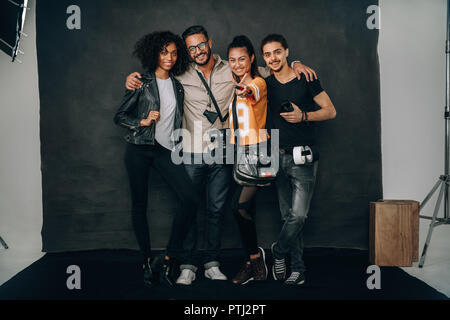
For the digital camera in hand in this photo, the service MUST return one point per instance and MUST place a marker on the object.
(286, 106)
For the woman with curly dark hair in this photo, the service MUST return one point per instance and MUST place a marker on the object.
(152, 113)
(149, 47)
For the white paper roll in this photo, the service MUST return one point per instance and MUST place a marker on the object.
(297, 155)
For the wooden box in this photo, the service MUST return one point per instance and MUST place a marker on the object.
(394, 233)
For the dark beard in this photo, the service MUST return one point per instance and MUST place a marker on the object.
(279, 69)
(207, 60)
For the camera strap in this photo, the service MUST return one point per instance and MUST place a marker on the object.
(235, 122)
(222, 119)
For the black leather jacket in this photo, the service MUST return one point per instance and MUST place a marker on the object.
(137, 104)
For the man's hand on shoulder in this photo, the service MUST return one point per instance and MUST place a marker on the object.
(132, 83)
(300, 68)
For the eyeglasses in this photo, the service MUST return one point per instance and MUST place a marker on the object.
(201, 46)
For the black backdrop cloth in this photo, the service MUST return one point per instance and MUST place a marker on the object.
(86, 198)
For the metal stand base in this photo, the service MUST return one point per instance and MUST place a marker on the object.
(444, 183)
(3, 243)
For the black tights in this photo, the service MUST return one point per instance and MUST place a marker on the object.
(243, 206)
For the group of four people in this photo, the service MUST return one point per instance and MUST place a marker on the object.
(184, 83)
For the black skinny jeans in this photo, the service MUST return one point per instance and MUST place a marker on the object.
(139, 161)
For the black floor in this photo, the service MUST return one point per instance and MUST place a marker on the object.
(333, 274)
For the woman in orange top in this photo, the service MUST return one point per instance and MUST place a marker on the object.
(251, 110)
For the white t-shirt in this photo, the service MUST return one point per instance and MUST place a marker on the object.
(168, 104)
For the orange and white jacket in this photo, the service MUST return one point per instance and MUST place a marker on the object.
(251, 114)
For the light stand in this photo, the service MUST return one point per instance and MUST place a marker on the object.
(444, 180)
(11, 26)
(3, 243)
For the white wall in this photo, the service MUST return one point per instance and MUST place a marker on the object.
(20, 162)
(412, 68)
(412, 63)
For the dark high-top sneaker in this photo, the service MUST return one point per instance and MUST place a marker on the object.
(244, 275)
(259, 266)
(168, 271)
(278, 266)
(148, 273)
(296, 278)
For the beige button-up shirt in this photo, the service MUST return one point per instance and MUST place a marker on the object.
(197, 100)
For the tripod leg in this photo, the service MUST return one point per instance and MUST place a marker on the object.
(430, 230)
(3, 243)
(446, 203)
(430, 194)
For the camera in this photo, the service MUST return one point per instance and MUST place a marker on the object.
(286, 106)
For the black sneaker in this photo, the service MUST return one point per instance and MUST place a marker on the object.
(278, 266)
(167, 276)
(296, 278)
(259, 266)
(148, 273)
(244, 275)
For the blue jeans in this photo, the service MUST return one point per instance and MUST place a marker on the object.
(218, 179)
(295, 186)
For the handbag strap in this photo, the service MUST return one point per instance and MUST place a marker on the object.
(235, 121)
(222, 119)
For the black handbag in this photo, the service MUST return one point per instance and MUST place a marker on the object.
(252, 167)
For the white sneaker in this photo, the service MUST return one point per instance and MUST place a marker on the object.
(214, 273)
(186, 277)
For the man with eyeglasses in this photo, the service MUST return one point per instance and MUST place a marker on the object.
(198, 106)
